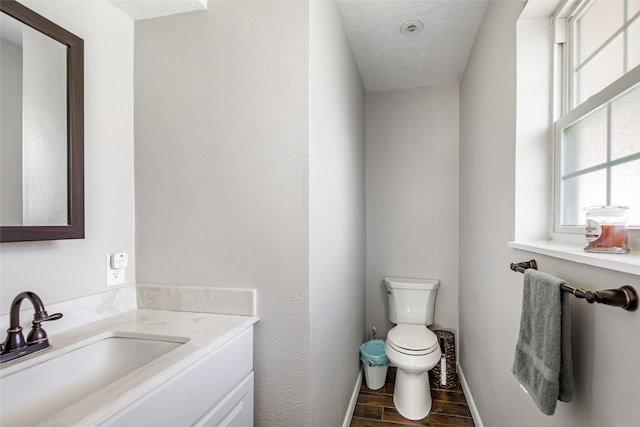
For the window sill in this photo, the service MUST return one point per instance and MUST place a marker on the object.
(626, 263)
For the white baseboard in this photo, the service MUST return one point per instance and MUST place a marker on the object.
(352, 402)
(467, 394)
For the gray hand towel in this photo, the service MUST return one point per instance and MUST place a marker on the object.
(543, 362)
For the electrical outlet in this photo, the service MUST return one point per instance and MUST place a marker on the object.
(114, 276)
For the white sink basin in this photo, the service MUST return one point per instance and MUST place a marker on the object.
(29, 395)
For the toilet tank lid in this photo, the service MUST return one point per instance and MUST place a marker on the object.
(408, 283)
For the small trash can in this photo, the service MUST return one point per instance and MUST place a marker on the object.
(444, 375)
(375, 363)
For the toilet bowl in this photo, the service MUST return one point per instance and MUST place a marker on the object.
(410, 346)
(413, 350)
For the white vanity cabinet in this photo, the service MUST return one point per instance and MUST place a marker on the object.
(215, 391)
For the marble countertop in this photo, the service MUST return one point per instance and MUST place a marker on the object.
(203, 333)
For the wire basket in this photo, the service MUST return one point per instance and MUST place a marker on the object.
(447, 342)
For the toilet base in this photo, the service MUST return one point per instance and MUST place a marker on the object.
(412, 395)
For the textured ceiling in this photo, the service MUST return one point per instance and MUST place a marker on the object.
(389, 60)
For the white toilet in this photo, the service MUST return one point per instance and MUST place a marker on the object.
(411, 347)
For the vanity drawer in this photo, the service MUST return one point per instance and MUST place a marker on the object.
(185, 399)
(235, 410)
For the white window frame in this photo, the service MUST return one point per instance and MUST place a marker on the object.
(536, 111)
(564, 116)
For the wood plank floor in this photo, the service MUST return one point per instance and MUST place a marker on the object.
(375, 408)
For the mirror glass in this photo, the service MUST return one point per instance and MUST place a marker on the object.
(33, 127)
(41, 128)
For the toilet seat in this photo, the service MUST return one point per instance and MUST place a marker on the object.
(413, 340)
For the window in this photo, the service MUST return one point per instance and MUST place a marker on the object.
(597, 129)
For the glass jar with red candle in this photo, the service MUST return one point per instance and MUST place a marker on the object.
(606, 229)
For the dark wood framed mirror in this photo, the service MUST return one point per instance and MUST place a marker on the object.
(70, 223)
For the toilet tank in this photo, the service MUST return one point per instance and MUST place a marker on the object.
(411, 301)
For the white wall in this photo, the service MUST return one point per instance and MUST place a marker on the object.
(64, 269)
(222, 164)
(605, 339)
(533, 135)
(412, 197)
(336, 216)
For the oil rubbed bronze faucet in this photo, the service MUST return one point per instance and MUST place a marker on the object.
(15, 345)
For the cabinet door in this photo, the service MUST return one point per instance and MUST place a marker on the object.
(236, 410)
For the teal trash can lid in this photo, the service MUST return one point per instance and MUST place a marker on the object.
(373, 352)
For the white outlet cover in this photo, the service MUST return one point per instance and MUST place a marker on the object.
(113, 276)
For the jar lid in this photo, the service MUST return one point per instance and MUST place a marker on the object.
(606, 210)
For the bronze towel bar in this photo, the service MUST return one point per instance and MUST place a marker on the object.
(625, 297)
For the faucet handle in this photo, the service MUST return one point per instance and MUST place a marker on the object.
(54, 316)
(43, 316)
(37, 334)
